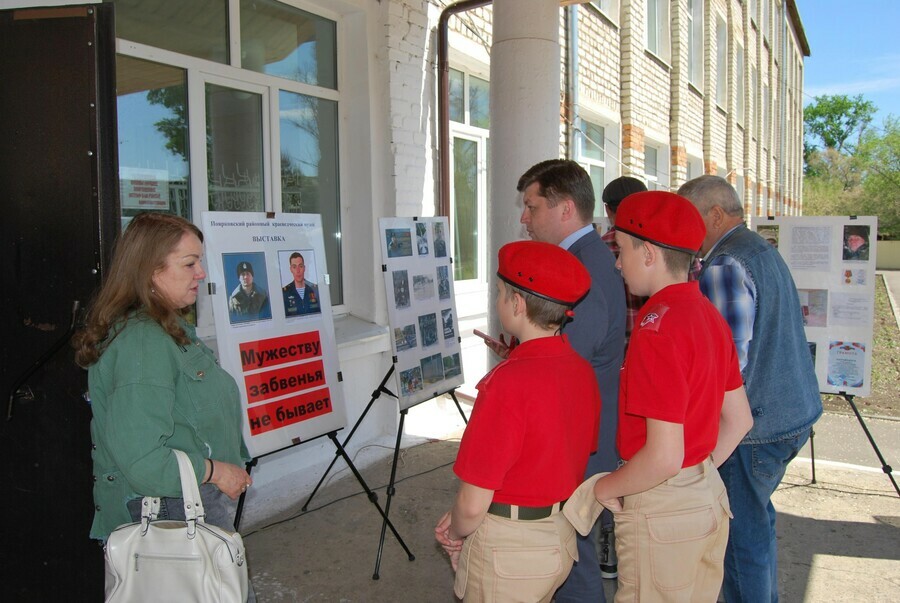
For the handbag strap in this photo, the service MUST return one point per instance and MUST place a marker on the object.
(149, 511)
(193, 505)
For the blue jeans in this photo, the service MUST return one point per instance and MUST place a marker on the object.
(751, 474)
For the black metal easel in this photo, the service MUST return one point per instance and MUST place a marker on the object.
(884, 466)
(372, 496)
(391, 490)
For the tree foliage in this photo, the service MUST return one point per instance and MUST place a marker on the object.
(833, 120)
(852, 168)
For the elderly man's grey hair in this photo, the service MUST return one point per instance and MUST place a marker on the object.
(705, 192)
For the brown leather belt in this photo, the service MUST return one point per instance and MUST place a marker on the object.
(524, 513)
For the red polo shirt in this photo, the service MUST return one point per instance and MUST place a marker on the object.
(534, 424)
(680, 362)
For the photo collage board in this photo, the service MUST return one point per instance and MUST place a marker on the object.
(832, 260)
(418, 280)
(274, 328)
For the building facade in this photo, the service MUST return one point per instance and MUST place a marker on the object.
(331, 107)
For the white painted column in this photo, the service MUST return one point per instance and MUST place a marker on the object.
(525, 89)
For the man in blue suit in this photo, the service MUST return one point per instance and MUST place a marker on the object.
(300, 295)
(559, 209)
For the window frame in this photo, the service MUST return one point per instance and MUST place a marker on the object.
(722, 67)
(661, 35)
(201, 71)
(696, 35)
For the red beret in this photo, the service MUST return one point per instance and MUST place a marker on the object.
(662, 218)
(546, 270)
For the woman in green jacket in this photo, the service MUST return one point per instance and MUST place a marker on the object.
(154, 386)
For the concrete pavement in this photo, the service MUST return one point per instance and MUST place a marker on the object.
(839, 539)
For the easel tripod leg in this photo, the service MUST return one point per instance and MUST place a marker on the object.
(884, 466)
(373, 498)
(390, 493)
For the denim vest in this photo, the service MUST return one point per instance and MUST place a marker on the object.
(780, 377)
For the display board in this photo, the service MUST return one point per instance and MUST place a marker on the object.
(418, 279)
(274, 327)
(833, 265)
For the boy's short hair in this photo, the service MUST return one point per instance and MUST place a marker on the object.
(677, 262)
(540, 311)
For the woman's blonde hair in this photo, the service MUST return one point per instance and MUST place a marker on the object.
(139, 253)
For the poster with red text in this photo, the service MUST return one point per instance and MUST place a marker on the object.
(274, 328)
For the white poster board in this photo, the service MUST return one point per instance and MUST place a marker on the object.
(418, 279)
(832, 260)
(277, 344)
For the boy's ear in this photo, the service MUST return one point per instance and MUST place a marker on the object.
(651, 252)
(518, 304)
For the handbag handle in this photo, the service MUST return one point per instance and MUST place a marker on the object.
(193, 505)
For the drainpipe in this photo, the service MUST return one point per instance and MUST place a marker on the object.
(572, 79)
(443, 208)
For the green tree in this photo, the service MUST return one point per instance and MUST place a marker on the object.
(832, 121)
(881, 183)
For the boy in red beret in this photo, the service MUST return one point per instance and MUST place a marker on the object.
(682, 411)
(526, 446)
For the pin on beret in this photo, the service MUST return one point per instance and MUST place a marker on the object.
(244, 267)
(545, 270)
(662, 218)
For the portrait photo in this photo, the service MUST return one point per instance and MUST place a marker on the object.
(399, 242)
(245, 283)
(300, 287)
(856, 243)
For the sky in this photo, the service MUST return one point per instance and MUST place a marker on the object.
(853, 50)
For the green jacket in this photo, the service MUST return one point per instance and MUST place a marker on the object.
(150, 395)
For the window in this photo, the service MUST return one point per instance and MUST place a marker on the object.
(154, 169)
(767, 26)
(754, 11)
(591, 153)
(721, 63)
(610, 8)
(469, 133)
(656, 171)
(695, 42)
(754, 87)
(470, 99)
(198, 28)
(235, 141)
(764, 127)
(739, 80)
(694, 167)
(658, 28)
(287, 42)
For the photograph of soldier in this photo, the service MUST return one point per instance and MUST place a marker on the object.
(422, 238)
(447, 319)
(856, 243)
(769, 233)
(401, 289)
(248, 300)
(443, 276)
(399, 242)
(428, 329)
(440, 245)
(301, 296)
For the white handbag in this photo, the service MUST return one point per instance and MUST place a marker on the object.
(167, 560)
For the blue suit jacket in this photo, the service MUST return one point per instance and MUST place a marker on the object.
(598, 335)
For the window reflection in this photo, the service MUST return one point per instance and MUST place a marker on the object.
(457, 100)
(197, 27)
(465, 209)
(234, 149)
(479, 102)
(153, 138)
(287, 42)
(309, 169)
